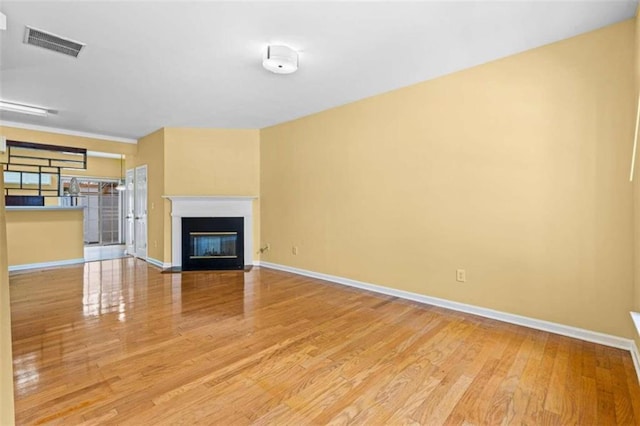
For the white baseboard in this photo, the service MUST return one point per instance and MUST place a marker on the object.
(42, 265)
(159, 264)
(551, 327)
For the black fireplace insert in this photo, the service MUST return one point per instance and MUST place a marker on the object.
(212, 243)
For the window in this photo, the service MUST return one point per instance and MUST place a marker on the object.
(27, 178)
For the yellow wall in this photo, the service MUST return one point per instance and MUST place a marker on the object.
(93, 144)
(6, 363)
(99, 167)
(44, 236)
(212, 162)
(151, 153)
(515, 170)
(636, 184)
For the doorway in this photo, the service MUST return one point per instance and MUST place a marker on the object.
(103, 222)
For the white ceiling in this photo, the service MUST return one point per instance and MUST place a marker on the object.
(151, 64)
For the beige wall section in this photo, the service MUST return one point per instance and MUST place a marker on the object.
(93, 144)
(515, 170)
(151, 151)
(636, 183)
(212, 162)
(98, 167)
(6, 357)
(636, 179)
(44, 236)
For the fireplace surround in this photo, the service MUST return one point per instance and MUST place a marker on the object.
(210, 207)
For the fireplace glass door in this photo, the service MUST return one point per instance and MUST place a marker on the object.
(213, 245)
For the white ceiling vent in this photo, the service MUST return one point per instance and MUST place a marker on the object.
(53, 42)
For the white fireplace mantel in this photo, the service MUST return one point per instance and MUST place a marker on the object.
(210, 206)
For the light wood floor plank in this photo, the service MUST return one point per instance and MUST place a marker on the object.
(118, 342)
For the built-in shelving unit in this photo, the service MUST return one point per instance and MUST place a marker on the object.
(34, 170)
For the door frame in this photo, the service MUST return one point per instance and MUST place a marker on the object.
(129, 207)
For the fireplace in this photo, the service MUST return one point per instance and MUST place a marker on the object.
(187, 206)
(212, 243)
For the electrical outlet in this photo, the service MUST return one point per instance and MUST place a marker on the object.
(461, 275)
(268, 246)
(294, 250)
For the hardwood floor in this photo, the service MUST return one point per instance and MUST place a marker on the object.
(117, 342)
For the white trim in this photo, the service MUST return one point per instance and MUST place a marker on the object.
(42, 265)
(91, 178)
(66, 132)
(156, 262)
(551, 327)
(635, 317)
(635, 356)
(101, 154)
(205, 198)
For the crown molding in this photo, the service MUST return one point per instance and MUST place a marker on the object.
(66, 132)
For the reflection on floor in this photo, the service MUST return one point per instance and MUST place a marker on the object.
(119, 343)
(92, 253)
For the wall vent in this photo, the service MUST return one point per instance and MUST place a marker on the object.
(53, 42)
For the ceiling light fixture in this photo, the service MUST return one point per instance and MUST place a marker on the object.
(23, 109)
(280, 59)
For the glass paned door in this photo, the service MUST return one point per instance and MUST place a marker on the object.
(130, 213)
(103, 213)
